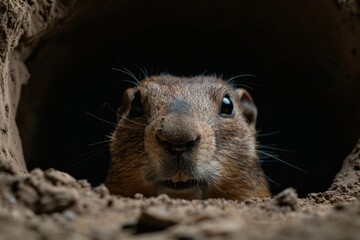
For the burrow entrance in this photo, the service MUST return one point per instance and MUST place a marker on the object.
(304, 89)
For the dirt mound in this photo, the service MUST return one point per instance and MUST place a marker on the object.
(53, 205)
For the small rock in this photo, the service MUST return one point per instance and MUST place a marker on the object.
(69, 215)
(288, 197)
(37, 172)
(328, 195)
(155, 219)
(102, 190)
(84, 184)
(163, 197)
(139, 196)
(12, 200)
(59, 178)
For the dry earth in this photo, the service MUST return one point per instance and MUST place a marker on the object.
(53, 205)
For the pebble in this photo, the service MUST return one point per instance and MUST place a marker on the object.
(69, 215)
(139, 196)
(288, 197)
(156, 218)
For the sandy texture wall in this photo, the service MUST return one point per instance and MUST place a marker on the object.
(13, 75)
(22, 23)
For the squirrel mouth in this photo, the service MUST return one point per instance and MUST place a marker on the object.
(179, 182)
(179, 185)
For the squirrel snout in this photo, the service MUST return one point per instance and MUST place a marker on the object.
(176, 135)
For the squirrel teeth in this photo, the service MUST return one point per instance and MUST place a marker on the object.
(179, 177)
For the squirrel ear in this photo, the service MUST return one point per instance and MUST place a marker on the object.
(125, 107)
(247, 106)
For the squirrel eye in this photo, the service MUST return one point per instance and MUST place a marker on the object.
(136, 109)
(227, 107)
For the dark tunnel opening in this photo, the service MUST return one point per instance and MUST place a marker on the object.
(68, 108)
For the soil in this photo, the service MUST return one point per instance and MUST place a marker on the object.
(53, 205)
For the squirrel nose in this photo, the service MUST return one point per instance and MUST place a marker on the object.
(177, 133)
(177, 147)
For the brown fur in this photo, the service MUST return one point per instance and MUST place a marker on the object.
(180, 110)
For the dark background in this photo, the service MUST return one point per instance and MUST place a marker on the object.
(307, 99)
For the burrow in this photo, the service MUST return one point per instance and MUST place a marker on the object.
(303, 56)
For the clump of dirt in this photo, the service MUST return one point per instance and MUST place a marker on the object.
(346, 185)
(53, 205)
